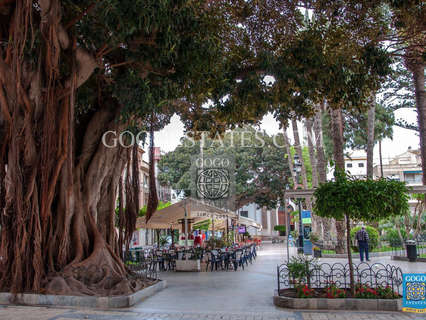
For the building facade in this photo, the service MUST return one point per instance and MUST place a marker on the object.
(356, 164)
(405, 167)
(266, 219)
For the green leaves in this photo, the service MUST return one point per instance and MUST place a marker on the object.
(363, 200)
(261, 171)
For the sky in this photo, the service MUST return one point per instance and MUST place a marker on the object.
(169, 137)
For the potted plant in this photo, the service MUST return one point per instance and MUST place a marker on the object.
(314, 238)
(281, 229)
(317, 252)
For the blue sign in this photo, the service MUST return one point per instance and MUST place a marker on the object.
(306, 217)
(306, 214)
(414, 292)
(307, 247)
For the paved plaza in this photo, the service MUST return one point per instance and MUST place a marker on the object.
(216, 295)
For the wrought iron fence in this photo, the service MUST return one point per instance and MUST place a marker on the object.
(140, 265)
(325, 274)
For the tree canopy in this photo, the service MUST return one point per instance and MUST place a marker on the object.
(261, 174)
(355, 130)
(361, 200)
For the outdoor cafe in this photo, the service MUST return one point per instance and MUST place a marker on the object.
(214, 248)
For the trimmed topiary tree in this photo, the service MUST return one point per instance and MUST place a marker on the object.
(373, 235)
(361, 200)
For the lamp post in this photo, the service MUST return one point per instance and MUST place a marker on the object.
(297, 169)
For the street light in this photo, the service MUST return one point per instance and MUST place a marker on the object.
(297, 169)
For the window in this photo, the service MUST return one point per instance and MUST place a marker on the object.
(244, 213)
(413, 177)
(349, 165)
(361, 165)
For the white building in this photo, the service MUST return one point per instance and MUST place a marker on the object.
(405, 167)
(265, 219)
(355, 165)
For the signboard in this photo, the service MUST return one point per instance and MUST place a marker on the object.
(211, 215)
(414, 292)
(306, 217)
(307, 247)
(242, 229)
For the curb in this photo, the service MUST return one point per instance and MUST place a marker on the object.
(399, 258)
(338, 304)
(82, 301)
(356, 255)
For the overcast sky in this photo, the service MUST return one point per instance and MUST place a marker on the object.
(168, 138)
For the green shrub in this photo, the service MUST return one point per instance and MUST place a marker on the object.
(373, 235)
(301, 268)
(391, 235)
(281, 229)
(314, 237)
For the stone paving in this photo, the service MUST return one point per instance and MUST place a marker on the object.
(48, 313)
(219, 295)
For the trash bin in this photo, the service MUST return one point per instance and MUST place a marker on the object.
(411, 250)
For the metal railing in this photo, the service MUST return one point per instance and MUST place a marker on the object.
(399, 250)
(322, 275)
(142, 265)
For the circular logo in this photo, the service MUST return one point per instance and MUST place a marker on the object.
(213, 183)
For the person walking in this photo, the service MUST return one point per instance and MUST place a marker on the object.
(362, 238)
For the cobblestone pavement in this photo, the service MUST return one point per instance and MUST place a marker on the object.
(47, 313)
(218, 295)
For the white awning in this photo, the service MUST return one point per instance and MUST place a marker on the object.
(249, 222)
(196, 210)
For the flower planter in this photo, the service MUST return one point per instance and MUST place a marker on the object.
(338, 304)
(317, 253)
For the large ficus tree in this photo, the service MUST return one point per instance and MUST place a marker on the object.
(69, 71)
(260, 173)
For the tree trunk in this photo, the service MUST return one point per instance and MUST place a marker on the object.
(293, 176)
(370, 136)
(316, 221)
(381, 158)
(398, 229)
(321, 168)
(348, 248)
(418, 70)
(289, 157)
(298, 148)
(312, 156)
(57, 196)
(339, 161)
(319, 143)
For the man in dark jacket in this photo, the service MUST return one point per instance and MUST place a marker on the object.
(362, 238)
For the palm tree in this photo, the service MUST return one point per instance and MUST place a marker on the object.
(316, 221)
(321, 166)
(339, 162)
(298, 148)
(288, 151)
(370, 136)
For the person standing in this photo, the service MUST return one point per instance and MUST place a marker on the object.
(362, 238)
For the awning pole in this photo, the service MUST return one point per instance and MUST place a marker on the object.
(227, 231)
(213, 226)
